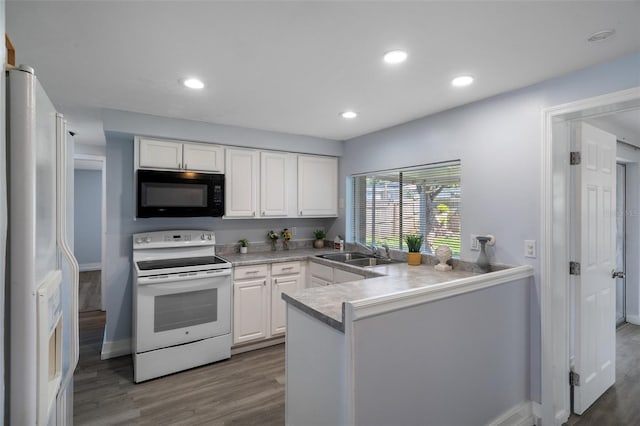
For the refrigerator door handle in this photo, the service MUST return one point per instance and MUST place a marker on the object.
(61, 182)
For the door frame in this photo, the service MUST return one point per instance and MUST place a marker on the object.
(555, 246)
(101, 162)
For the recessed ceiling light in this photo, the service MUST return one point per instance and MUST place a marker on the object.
(600, 36)
(462, 80)
(395, 56)
(193, 83)
(349, 114)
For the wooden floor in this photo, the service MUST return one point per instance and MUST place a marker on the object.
(247, 389)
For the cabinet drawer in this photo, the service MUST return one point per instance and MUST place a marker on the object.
(254, 271)
(321, 271)
(285, 268)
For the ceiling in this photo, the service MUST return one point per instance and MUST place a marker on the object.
(294, 66)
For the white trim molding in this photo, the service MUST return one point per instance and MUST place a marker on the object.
(633, 319)
(519, 415)
(116, 348)
(555, 243)
(86, 267)
(407, 298)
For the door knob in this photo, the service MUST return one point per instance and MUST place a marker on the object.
(617, 274)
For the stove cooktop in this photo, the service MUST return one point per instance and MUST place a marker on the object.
(151, 265)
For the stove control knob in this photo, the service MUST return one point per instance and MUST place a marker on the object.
(208, 236)
(203, 237)
(138, 240)
(147, 240)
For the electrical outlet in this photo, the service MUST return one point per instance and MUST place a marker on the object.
(473, 244)
(530, 248)
(293, 231)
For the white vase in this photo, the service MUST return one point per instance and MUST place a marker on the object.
(243, 250)
(318, 244)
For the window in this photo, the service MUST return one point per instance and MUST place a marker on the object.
(423, 200)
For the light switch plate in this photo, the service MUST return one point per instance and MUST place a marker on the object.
(530, 248)
(473, 243)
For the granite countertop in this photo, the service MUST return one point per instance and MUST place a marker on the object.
(325, 303)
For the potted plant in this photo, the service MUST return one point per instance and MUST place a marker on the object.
(414, 242)
(320, 235)
(244, 244)
(273, 236)
(286, 236)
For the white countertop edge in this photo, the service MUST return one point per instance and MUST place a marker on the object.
(377, 305)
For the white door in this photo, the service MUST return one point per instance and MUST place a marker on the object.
(594, 245)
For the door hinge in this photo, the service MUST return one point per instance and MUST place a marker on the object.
(575, 158)
(574, 268)
(574, 378)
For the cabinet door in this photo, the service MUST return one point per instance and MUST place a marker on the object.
(317, 186)
(241, 179)
(273, 184)
(201, 156)
(160, 154)
(340, 276)
(250, 310)
(279, 285)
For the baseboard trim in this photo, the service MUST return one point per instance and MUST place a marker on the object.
(235, 350)
(115, 348)
(633, 319)
(520, 415)
(86, 267)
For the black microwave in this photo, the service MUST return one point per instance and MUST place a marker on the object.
(179, 194)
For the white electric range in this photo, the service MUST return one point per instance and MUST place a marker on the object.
(181, 302)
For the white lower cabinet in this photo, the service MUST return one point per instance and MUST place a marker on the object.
(340, 276)
(250, 310)
(321, 275)
(259, 311)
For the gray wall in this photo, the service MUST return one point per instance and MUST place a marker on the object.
(498, 141)
(88, 216)
(120, 207)
(463, 360)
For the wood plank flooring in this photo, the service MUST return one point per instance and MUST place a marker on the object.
(620, 405)
(247, 389)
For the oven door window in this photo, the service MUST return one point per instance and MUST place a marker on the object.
(181, 311)
(174, 311)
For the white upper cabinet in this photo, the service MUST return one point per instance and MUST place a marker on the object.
(200, 156)
(176, 155)
(241, 182)
(274, 181)
(160, 154)
(317, 186)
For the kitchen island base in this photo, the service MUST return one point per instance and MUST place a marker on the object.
(463, 359)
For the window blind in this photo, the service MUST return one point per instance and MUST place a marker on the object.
(420, 200)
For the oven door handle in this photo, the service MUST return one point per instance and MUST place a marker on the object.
(165, 279)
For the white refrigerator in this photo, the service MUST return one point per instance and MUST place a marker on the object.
(42, 273)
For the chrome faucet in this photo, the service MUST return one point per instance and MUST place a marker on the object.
(373, 249)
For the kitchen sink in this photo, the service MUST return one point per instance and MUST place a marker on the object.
(370, 261)
(345, 256)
